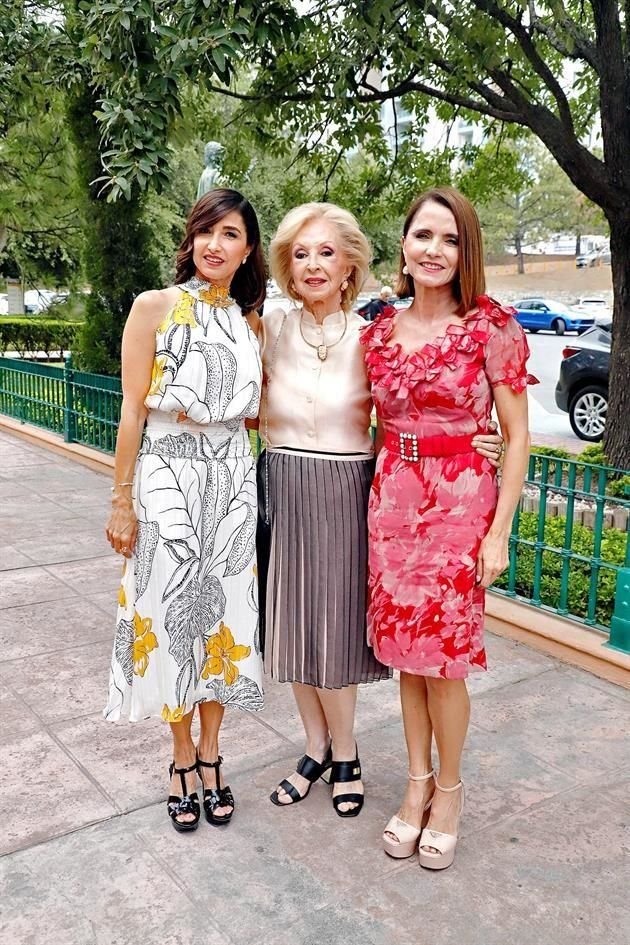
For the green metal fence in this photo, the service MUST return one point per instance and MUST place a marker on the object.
(569, 548)
(84, 408)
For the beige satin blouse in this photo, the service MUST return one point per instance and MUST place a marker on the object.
(315, 406)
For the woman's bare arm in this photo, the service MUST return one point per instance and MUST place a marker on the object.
(512, 413)
(138, 353)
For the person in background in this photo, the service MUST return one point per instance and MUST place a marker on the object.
(378, 306)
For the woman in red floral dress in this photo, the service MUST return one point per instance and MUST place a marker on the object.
(438, 523)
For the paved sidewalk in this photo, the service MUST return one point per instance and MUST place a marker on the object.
(91, 859)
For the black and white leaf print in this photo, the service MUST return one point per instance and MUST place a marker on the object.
(222, 320)
(174, 498)
(182, 446)
(193, 614)
(177, 342)
(146, 543)
(214, 504)
(185, 682)
(185, 399)
(245, 402)
(243, 547)
(221, 365)
(227, 530)
(178, 550)
(179, 576)
(123, 648)
(244, 693)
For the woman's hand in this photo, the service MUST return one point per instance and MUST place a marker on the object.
(489, 445)
(492, 560)
(122, 527)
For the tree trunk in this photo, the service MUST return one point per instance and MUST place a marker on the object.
(119, 258)
(518, 246)
(617, 434)
(578, 244)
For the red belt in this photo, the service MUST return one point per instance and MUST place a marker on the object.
(411, 447)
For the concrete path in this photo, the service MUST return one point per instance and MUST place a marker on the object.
(91, 859)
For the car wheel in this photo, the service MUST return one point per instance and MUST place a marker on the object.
(534, 331)
(559, 326)
(587, 413)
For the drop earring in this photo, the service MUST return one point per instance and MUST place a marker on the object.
(405, 270)
(244, 261)
(344, 285)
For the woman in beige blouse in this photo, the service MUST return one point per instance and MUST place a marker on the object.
(316, 472)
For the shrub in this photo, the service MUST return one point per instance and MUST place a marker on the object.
(29, 335)
(593, 453)
(553, 451)
(579, 577)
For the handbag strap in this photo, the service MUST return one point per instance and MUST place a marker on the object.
(272, 362)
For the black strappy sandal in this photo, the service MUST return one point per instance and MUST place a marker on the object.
(187, 804)
(347, 771)
(311, 770)
(216, 796)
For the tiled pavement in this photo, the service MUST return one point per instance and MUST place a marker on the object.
(89, 855)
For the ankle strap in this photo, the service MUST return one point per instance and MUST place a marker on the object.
(211, 764)
(421, 777)
(449, 790)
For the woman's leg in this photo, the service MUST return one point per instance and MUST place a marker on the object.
(418, 735)
(316, 731)
(210, 718)
(449, 709)
(184, 756)
(339, 707)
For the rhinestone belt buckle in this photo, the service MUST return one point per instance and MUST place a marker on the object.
(408, 443)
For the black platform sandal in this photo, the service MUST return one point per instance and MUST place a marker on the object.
(311, 770)
(187, 804)
(216, 796)
(347, 771)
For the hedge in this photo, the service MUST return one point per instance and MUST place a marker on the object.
(28, 335)
(612, 551)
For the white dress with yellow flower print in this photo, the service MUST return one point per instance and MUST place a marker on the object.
(187, 625)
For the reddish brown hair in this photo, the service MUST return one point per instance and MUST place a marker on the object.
(470, 280)
(250, 280)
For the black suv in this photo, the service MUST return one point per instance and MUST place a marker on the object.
(582, 388)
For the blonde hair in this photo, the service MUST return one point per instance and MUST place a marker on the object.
(354, 245)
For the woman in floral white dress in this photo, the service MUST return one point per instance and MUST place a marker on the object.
(184, 501)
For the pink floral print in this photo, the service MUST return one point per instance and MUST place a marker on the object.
(426, 519)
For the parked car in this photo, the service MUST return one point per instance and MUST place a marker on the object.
(582, 388)
(594, 305)
(4, 305)
(600, 257)
(548, 315)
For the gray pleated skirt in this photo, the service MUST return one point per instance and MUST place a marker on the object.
(317, 579)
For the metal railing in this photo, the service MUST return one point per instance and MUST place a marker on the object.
(84, 408)
(569, 548)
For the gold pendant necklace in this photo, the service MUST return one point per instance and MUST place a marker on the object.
(322, 350)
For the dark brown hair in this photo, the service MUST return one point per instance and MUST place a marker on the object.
(470, 280)
(250, 279)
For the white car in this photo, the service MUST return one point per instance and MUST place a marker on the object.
(596, 306)
(38, 300)
(4, 305)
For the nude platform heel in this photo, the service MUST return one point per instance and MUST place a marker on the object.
(406, 835)
(445, 843)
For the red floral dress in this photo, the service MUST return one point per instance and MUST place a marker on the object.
(427, 518)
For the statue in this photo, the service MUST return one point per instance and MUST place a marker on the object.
(211, 174)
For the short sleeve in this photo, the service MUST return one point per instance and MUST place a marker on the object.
(507, 353)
